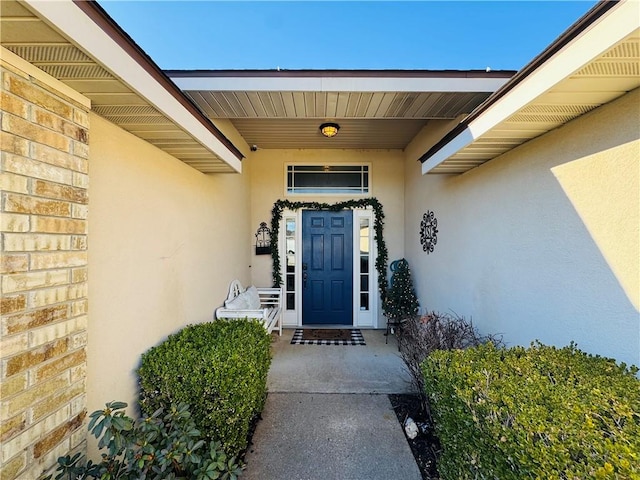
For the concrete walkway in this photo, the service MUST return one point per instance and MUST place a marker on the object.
(328, 416)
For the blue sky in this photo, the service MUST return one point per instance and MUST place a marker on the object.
(293, 35)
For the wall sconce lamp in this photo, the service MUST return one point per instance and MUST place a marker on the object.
(263, 240)
(329, 129)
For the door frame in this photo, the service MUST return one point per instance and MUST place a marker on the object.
(361, 318)
(326, 272)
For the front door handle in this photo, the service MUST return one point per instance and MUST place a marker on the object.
(304, 275)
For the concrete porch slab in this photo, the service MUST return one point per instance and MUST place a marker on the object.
(373, 368)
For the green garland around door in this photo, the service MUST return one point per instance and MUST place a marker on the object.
(378, 224)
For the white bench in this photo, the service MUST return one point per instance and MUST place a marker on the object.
(264, 304)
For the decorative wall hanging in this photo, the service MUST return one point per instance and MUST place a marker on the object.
(263, 240)
(429, 231)
(378, 224)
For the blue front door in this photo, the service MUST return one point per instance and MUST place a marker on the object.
(327, 267)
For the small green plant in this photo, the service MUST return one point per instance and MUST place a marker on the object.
(538, 412)
(165, 445)
(219, 369)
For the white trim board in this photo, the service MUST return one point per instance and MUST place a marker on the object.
(339, 84)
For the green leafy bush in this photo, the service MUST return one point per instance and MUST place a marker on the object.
(539, 413)
(165, 445)
(219, 369)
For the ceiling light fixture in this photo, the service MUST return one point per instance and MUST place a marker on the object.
(329, 129)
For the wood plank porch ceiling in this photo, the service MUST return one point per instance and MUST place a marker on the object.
(290, 118)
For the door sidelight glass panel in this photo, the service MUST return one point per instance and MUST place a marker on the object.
(365, 239)
(290, 245)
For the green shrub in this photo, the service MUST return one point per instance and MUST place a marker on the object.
(165, 445)
(539, 413)
(219, 369)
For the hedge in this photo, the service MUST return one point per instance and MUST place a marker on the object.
(219, 369)
(538, 413)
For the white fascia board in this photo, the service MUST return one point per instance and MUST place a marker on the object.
(614, 26)
(391, 84)
(621, 21)
(338, 84)
(463, 139)
(248, 84)
(79, 28)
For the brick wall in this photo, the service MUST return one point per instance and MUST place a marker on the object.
(43, 223)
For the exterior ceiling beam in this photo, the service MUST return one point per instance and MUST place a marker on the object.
(339, 84)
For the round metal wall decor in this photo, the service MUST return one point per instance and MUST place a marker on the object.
(429, 231)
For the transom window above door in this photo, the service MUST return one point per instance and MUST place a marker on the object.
(328, 179)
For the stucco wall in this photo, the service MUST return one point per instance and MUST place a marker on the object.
(268, 185)
(542, 242)
(165, 242)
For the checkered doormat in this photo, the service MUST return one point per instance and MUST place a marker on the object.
(356, 339)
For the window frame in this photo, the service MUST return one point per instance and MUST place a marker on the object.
(344, 193)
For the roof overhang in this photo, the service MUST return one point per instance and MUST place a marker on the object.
(594, 62)
(80, 45)
(376, 109)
